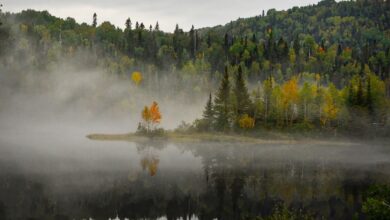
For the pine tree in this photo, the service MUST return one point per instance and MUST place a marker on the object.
(244, 104)
(1, 5)
(254, 39)
(359, 95)
(157, 27)
(129, 36)
(94, 20)
(351, 95)
(226, 42)
(128, 24)
(208, 114)
(208, 40)
(271, 46)
(296, 45)
(222, 105)
(369, 101)
(192, 42)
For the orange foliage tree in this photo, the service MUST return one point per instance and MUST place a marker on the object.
(151, 116)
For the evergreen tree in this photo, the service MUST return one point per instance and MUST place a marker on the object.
(296, 45)
(94, 20)
(1, 5)
(351, 95)
(226, 42)
(208, 40)
(222, 105)
(254, 39)
(369, 101)
(129, 37)
(192, 42)
(339, 50)
(359, 95)
(128, 24)
(270, 46)
(208, 114)
(243, 101)
(282, 49)
(157, 27)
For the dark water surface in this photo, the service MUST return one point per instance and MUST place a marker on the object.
(44, 175)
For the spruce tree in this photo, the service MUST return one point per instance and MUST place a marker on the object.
(208, 40)
(128, 24)
(192, 42)
(351, 95)
(296, 45)
(94, 20)
(208, 114)
(157, 27)
(222, 105)
(243, 101)
(369, 101)
(1, 5)
(359, 95)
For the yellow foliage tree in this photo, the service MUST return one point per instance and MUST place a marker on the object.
(246, 122)
(290, 97)
(136, 77)
(146, 117)
(330, 110)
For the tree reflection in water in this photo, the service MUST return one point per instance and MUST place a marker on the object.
(149, 160)
(231, 182)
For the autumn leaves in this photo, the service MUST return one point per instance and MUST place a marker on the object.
(151, 117)
(136, 77)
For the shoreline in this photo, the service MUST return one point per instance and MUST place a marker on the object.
(221, 138)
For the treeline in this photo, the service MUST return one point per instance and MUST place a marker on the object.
(336, 40)
(301, 102)
(325, 65)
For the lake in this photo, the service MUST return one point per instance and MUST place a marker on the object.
(47, 175)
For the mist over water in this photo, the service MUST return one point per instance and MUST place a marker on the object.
(50, 170)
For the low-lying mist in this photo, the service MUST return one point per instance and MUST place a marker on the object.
(86, 98)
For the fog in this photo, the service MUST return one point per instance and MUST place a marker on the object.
(47, 163)
(46, 114)
(89, 99)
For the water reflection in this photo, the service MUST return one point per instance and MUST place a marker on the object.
(149, 156)
(199, 181)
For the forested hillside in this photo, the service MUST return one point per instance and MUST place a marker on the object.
(307, 64)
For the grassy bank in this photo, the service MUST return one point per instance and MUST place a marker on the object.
(274, 138)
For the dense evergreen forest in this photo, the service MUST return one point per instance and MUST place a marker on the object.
(320, 66)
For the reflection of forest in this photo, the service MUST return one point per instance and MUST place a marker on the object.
(235, 183)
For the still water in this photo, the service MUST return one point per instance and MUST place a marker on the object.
(47, 176)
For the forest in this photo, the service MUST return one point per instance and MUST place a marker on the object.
(324, 66)
(283, 115)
